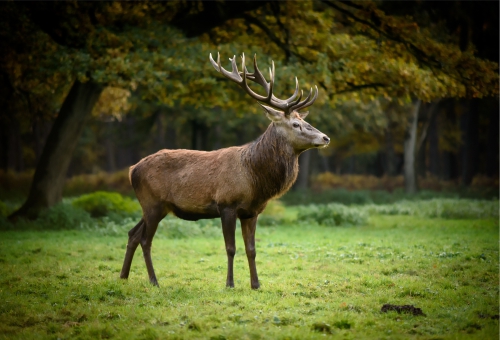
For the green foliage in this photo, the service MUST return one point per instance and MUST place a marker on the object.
(274, 214)
(360, 197)
(174, 228)
(332, 214)
(102, 203)
(440, 208)
(63, 216)
(102, 181)
(4, 210)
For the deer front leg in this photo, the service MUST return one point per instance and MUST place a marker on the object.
(151, 220)
(248, 227)
(228, 218)
(134, 238)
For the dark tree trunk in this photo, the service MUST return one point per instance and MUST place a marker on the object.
(449, 161)
(218, 137)
(390, 154)
(171, 137)
(434, 159)
(409, 149)
(199, 137)
(160, 122)
(421, 160)
(47, 186)
(110, 146)
(41, 130)
(470, 152)
(492, 142)
(302, 182)
(15, 159)
(325, 167)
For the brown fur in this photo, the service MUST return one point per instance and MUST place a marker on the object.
(190, 181)
(230, 183)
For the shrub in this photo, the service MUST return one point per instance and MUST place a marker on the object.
(274, 214)
(175, 228)
(302, 197)
(332, 214)
(63, 216)
(102, 203)
(115, 182)
(440, 208)
(4, 210)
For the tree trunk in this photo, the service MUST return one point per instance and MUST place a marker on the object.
(449, 159)
(492, 141)
(15, 159)
(199, 137)
(470, 128)
(390, 154)
(434, 159)
(409, 149)
(109, 145)
(48, 182)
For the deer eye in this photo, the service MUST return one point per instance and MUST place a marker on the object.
(295, 125)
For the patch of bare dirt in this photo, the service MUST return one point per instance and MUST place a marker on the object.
(409, 309)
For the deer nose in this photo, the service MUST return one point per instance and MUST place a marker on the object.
(326, 139)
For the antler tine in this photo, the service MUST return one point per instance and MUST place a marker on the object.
(271, 82)
(257, 76)
(291, 102)
(234, 75)
(241, 78)
(247, 88)
(215, 64)
(307, 102)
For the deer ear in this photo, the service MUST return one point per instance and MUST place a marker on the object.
(273, 114)
(303, 114)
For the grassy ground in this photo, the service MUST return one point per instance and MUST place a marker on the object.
(316, 282)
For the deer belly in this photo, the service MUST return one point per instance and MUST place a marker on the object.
(196, 213)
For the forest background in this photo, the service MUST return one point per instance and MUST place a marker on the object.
(406, 89)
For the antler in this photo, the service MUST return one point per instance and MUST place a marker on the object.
(287, 106)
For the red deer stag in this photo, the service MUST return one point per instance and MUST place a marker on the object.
(230, 183)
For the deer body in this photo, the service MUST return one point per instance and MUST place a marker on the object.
(197, 184)
(231, 183)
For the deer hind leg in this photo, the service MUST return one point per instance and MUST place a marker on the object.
(228, 218)
(134, 238)
(151, 220)
(248, 227)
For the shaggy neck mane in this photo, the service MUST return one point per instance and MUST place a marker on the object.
(272, 163)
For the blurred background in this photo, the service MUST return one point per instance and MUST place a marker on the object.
(408, 91)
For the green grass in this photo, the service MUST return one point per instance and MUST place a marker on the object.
(316, 282)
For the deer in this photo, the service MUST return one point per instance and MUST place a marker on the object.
(229, 183)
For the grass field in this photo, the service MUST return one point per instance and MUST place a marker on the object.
(316, 282)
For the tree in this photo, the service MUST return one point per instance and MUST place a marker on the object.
(353, 50)
(99, 57)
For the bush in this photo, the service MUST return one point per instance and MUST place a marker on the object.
(440, 208)
(343, 196)
(274, 214)
(63, 216)
(87, 183)
(102, 203)
(332, 214)
(4, 210)
(174, 228)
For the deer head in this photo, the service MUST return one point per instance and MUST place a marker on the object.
(284, 114)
